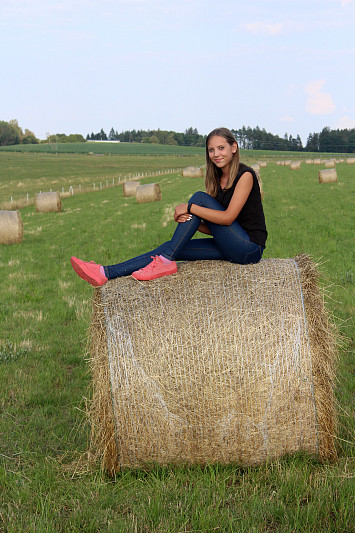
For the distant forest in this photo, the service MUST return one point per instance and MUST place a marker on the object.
(327, 140)
(341, 141)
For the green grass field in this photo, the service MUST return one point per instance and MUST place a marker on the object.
(104, 148)
(23, 174)
(46, 485)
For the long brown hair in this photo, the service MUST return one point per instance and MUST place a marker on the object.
(213, 173)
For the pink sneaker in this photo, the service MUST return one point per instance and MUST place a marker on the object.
(90, 272)
(156, 269)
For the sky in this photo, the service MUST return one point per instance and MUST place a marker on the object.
(76, 66)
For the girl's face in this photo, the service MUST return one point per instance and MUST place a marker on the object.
(221, 152)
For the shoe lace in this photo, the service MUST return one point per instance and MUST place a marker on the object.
(152, 264)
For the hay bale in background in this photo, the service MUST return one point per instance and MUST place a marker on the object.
(330, 163)
(317, 161)
(328, 175)
(130, 188)
(295, 165)
(193, 172)
(350, 160)
(148, 193)
(48, 201)
(245, 375)
(309, 161)
(262, 164)
(256, 168)
(11, 227)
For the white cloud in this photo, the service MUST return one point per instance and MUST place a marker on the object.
(318, 102)
(345, 123)
(262, 27)
(346, 2)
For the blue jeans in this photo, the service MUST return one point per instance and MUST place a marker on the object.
(228, 243)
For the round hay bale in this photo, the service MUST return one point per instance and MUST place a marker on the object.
(245, 375)
(350, 160)
(193, 172)
(317, 161)
(328, 175)
(330, 163)
(48, 201)
(295, 165)
(148, 193)
(262, 164)
(256, 168)
(130, 188)
(309, 161)
(11, 227)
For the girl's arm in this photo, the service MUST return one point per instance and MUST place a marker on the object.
(227, 217)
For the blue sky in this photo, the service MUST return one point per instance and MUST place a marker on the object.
(76, 66)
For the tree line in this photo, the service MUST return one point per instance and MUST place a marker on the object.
(190, 137)
(248, 138)
(342, 141)
(11, 133)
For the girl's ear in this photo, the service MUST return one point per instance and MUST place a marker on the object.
(234, 148)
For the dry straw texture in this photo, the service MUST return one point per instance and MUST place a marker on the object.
(48, 201)
(130, 188)
(218, 363)
(295, 165)
(193, 172)
(256, 168)
(148, 193)
(11, 227)
(350, 160)
(328, 175)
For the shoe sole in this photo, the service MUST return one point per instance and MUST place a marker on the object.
(82, 274)
(156, 276)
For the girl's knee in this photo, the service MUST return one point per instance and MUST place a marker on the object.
(199, 197)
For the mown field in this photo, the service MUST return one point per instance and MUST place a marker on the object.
(28, 169)
(46, 483)
(23, 174)
(104, 148)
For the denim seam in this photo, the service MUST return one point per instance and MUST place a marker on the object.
(181, 239)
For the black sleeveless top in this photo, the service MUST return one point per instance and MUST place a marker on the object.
(251, 217)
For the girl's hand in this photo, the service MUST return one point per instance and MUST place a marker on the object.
(180, 210)
(184, 218)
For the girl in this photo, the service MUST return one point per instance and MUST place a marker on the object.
(230, 211)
